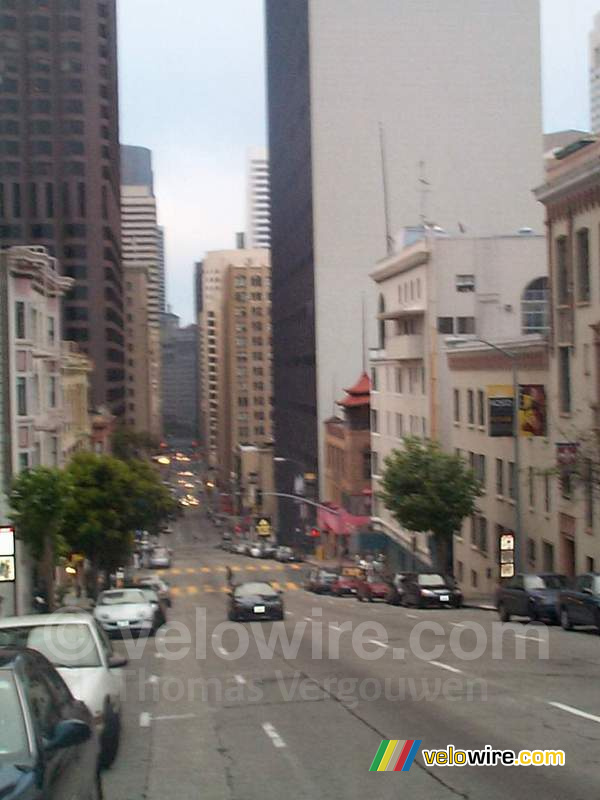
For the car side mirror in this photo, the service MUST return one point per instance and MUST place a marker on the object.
(69, 733)
(115, 661)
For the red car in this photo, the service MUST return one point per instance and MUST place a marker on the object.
(373, 587)
(348, 581)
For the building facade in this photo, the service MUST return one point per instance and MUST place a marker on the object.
(434, 289)
(326, 100)
(31, 290)
(258, 199)
(143, 264)
(236, 378)
(571, 196)
(179, 378)
(77, 429)
(59, 166)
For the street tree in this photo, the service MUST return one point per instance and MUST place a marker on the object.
(429, 490)
(128, 444)
(37, 500)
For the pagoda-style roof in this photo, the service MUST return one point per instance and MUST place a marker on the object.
(359, 394)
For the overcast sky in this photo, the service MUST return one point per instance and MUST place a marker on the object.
(192, 90)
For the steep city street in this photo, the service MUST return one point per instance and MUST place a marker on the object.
(216, 726)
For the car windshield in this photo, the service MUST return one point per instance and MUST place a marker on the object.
(14, 746)
(250, 589)
(432, 580)
(118, 598)
(64, 645)
(532, 582)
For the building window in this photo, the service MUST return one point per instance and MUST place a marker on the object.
(367, 464)
(445, 325)
(465, 283)
(381, 322)
(564, 378)
(531, 485)
(20, 319)
(374, 421)
(547, 495)
(470, 407)
(375, 462)
(456, 396)
(54, 451)
(531, 552)
(398, 375)
(499, 477)
(534, 307)
(51, 330)
(22, 397)
(399, 426)
(473, 579)
(480, 408)
(562, 272)
(23, 461)
(583, 265)
(483, 535)
(465, 325)
(52, 392)
(374, 379)
(511, 480)
(16, 200)
(480, 470)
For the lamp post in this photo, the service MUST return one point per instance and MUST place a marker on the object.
(513, 358)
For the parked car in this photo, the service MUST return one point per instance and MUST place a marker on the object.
(430, 589)
(160, 558)
(48, 747)
(320, 581)
(125, 611)
(284, 553)
(240, 547)
(348, 580)
(226, 541)
(580, 605)
(250, 601)
(372, 587)
(159, 606)
(160, 586)
(268, 549)
(533, 596)
(395, 595)
(83, 655)
(255, 550)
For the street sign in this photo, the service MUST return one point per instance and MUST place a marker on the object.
(263, 526)
(7, 540)
(7, 569)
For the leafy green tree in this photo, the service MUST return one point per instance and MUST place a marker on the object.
(37, 499)
(429, 490)
(128, 444)
(152, 502)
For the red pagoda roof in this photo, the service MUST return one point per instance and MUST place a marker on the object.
(359, 394)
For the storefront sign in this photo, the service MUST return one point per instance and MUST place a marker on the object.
(532, 410)
(501, 409)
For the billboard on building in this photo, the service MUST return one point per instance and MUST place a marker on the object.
(501, 409)
(532, 410)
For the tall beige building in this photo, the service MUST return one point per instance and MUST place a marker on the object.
(143, 268)
(235, 333)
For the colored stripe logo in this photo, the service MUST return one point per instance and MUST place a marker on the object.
(395, 755)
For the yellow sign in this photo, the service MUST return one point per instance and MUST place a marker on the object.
(263, 527)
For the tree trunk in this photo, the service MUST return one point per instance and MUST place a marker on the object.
(444, 553)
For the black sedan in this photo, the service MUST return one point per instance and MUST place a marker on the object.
(430, 590)
(48, 750)
(253, 601)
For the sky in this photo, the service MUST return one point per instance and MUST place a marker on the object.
(192, 89)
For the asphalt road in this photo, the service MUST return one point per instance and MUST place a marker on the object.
(295, 722)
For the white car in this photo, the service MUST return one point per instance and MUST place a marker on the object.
(256, 551)
(160, 586)
(83, 655)
(125, 611)
(160, 558)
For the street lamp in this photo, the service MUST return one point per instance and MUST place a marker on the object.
(513, 358)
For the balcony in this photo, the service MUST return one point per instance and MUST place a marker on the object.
(410, 346)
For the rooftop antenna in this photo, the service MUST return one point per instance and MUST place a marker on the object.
(424, 191)
(389, 242)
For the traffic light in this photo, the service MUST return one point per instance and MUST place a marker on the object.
(314, 533)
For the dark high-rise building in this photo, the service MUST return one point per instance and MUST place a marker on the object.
(59, 164)
(179, 378)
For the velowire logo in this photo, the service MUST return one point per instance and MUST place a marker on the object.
(395, 755)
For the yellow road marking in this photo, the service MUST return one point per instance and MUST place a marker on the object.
(219, 569)
(295, 566)
(192, 590)
(209, 588)
(236, 569)
(176, 572)
(251, 569)
(205, 569)
(175, 590)
(291, 585)
(265, 568)
(275, 585)
(224, 588)
(190, 570)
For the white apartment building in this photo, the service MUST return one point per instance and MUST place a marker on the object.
(433, 289)
(31, 289)
(594, 71)
(258, 199)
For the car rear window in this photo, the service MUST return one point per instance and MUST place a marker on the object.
(64, 645)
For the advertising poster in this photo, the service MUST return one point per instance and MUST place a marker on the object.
(501, 408)
(532, 410)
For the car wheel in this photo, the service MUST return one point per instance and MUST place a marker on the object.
(232, 616)
(111, 737)
(534, 614)
(504, 615)
(565, 620)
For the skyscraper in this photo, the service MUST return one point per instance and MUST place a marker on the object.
(59, 165)
(162, 289)
(142, 270)
(436, 80)
(258, 203)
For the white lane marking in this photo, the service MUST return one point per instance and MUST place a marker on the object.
(173, 716)
(457, 624)
(145, 719)
(413, 616)
(446, 666)
(222, 651)
(334, 627)
(308, 619)
(159, 655)
(273, 735)
(240, 679)
(289, 613)
(153, 679)
(576, 711)
(379, 644)
(529, 638)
